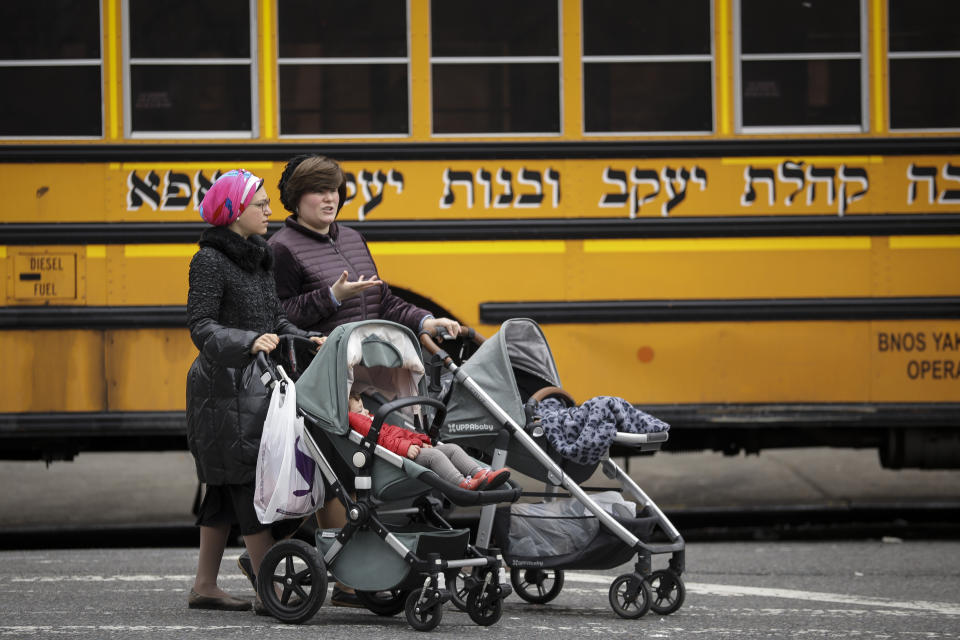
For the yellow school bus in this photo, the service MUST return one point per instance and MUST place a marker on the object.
(741, 215)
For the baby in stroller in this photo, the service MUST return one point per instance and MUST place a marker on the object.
(583, 433)
(449, 461)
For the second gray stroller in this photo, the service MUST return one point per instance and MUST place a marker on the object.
(486, 400)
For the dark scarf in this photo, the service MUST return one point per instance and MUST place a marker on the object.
(248, 254)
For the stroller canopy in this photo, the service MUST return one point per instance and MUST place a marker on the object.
(519, 344)
(360, 357)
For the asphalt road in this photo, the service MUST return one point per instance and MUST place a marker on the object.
(883, 585)
(862, 589)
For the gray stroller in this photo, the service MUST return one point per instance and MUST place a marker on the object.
(488, 397)
(396, 550)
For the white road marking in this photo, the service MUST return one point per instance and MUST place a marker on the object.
(121, 578)
(724, 590)
(945, 608)
(33, 629)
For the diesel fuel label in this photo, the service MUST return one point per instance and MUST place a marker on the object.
(45, 276)
(930, 354)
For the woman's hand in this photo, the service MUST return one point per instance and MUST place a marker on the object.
(344, 289)
(451, 326)
(318, 340)
(413, 452)
(266, 343)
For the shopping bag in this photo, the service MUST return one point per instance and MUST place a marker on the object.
(288, 483)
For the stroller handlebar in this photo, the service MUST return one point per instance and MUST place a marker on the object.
(431, 345)
(269, 376)
(387, 408)
(634, 439)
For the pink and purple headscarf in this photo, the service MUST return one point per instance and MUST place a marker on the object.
(226, 199)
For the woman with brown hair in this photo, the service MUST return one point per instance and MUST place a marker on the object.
(326, 277)
(325, 273)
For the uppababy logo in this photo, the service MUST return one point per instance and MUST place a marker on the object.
(526, 563)
(470, 427)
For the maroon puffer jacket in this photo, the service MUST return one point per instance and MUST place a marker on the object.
(307, 263)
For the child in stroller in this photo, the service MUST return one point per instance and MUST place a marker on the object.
(583, 433)
(449, 461)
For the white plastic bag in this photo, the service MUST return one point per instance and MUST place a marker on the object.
(289, 484)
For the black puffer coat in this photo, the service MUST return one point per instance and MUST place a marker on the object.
(232, 301)
(308, 263)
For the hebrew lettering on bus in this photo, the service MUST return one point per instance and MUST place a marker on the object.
(372, 186)
(177, 192)
(927, 177)
(140, 191)
(673, 182)
(799, 178)
(530, 192)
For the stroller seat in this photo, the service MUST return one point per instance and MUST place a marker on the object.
(382, 359)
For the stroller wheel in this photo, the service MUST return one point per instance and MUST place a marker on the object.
(459, 585)
(292, 581)
(388, 602)
(484, 606)
(630, 596)
(538, 586)
(667, 592)
(423, 614)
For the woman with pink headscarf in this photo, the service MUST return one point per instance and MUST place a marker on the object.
(233, 313)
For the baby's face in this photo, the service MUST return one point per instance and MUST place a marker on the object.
(355, 405)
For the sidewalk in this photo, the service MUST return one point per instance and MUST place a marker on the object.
(134, 489)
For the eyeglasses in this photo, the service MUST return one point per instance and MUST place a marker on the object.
(261, 205)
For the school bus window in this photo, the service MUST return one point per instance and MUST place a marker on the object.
(924, 60)
(190, 67)
(339, 75)
(801, 64)
(58, 41)
(495, 70)
(647, 66)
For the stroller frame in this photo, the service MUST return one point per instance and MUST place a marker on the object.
(414, 579)
(630, 594)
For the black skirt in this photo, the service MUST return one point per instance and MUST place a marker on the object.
(232, 504)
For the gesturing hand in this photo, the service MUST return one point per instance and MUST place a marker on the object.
(344, 289)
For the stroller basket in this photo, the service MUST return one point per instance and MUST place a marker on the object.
(559, 534)
(369, 564)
